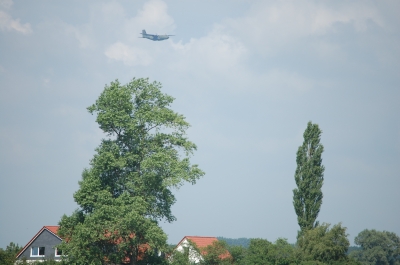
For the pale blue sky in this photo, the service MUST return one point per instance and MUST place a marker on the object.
(247, 76)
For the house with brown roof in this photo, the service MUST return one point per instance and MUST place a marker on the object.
(201, 242)
(43, 246)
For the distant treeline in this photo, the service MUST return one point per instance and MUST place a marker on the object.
(244, 242)
(353, 248)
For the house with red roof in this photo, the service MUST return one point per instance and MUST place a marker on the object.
(201, 242)
(42, 246)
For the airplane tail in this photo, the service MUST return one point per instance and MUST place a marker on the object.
(144, 32)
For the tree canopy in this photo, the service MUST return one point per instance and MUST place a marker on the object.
(7, 256)
(380, 248)
(324, 244)
(216, 254)
(257, 252)
(128, 187)
(309, 177)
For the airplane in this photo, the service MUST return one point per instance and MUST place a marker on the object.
(154, 37)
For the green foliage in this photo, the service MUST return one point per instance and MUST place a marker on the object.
(216, 254)
(309, 177)
(311, 262)
(238, 254)
(323, 244)
(262, 251)
(257, 253)
(115, 231)
(281, 252)
(378, 248)
(153, 258)
(353, 248)
(144, 159)
(7, 256)
(127, 188)
(182, 257)
(346, 261)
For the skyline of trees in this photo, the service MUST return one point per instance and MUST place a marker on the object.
(127, 190)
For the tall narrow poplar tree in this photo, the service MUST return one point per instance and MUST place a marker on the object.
(309, 177)
(127, 188)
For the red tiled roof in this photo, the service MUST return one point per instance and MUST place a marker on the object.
(201, 241)
(52, 229)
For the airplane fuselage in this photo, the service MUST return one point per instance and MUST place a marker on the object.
(154, 37)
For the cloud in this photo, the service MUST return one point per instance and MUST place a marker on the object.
(6, 4)
(7, 23)
(357, 14)
(83, 39)
(217, 52)
(154, 16)
(270, 26)
(128, 55)
(230, 51)
(224, 57)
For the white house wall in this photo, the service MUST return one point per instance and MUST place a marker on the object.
(194, 256)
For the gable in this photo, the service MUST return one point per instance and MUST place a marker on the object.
(201, 242)
(44, 238)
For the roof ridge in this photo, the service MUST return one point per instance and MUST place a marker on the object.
(202, 236)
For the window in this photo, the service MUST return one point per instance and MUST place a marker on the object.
(58, 252)
(37, 252)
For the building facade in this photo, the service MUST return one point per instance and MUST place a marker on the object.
(43, 246)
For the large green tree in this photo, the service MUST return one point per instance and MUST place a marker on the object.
(377, 248)
(238, 254)
(257, 252)
(261, 252)
(281, 252)
(309, 177)
(127, 189)
(324, 244)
